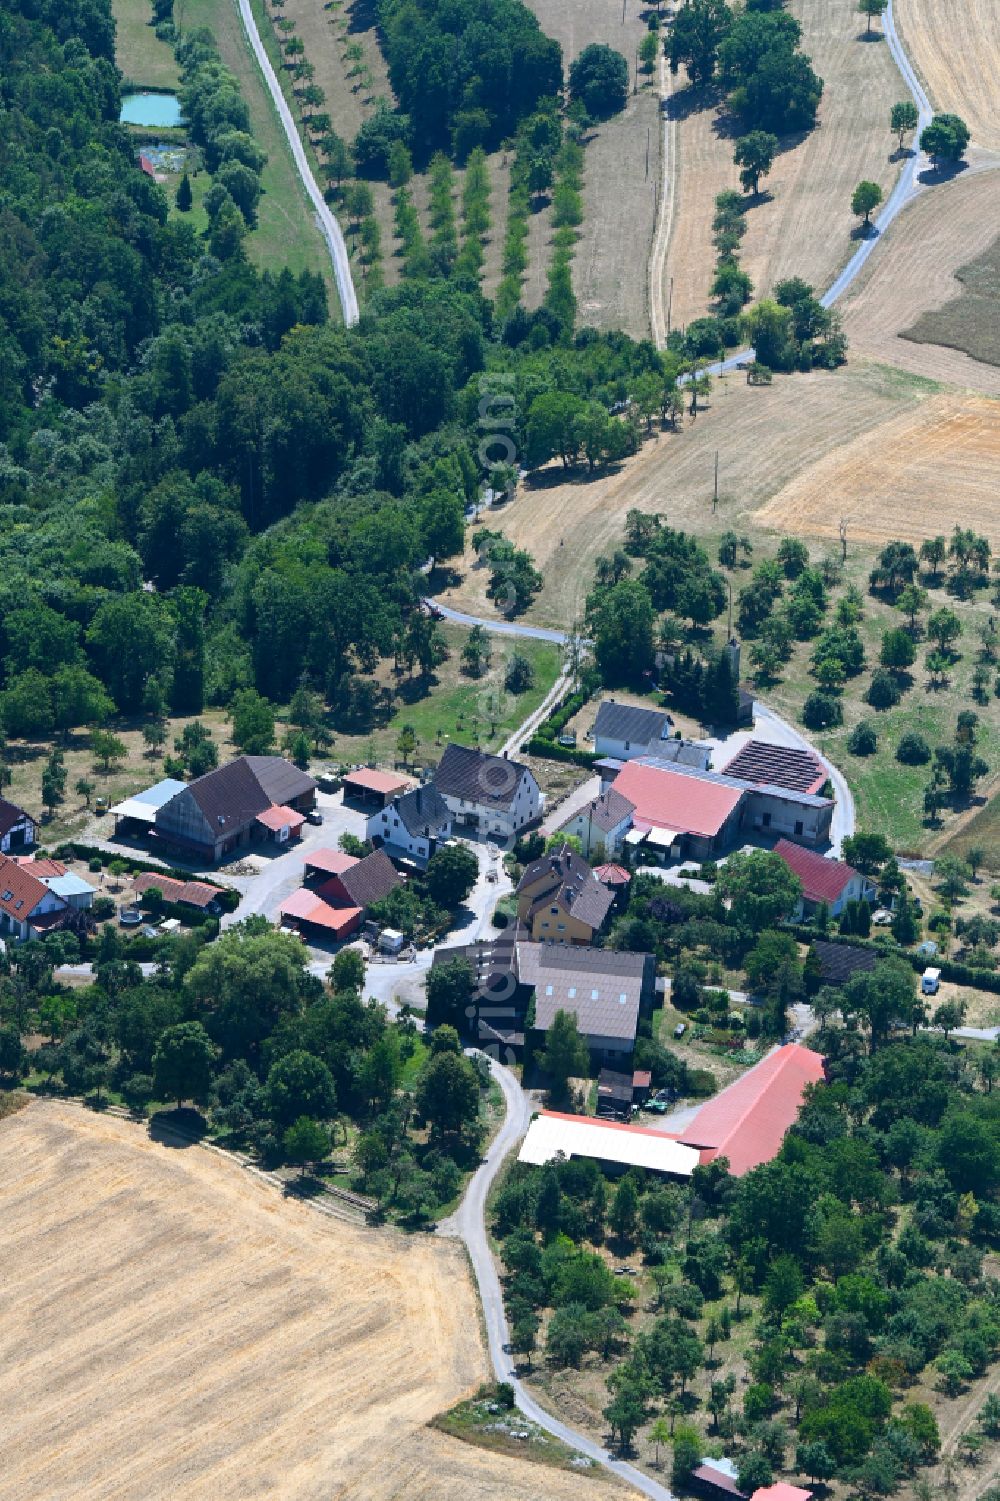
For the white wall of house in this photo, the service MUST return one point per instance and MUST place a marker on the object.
(591, 837)
(524, 810)
(387, 826)
(19, 837)
(775, 815)
(627, 750)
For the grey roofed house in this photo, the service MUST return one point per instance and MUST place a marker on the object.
(631, 724)
(423, 811)
(604, 989)
(563, 879)
(217, 812)
(477, 777)
(607, 811)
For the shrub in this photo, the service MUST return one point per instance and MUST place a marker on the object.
(821, 710)
(913, 750)
(863, 741)
(883, 690)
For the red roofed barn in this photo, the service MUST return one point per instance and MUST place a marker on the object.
(747, 1122)
(831, 881)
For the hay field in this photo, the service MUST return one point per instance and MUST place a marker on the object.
(804, 228)
(173, 1328)
(956, 50)
(939, 232)
(766, 436)
(619, 200)
(923, 472)
(139, 53)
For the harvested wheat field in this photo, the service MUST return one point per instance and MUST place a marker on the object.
(923, 472)
(914, 273)
(765, 436)
(956, 50)
(173, 1328)
(619, 199)
(803, 227)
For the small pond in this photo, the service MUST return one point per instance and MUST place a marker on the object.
(154, 110)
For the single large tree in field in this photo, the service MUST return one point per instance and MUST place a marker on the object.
(903, 117)
(755, 154)
(871, 8)
(866, 197)
(945, 139)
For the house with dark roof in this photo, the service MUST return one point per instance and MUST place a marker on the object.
(602, 823)
(627, 730)
(824, 880)
(606, 990)
(29, 907)
(17, 828)
(336, 907)
(251, 800)
(488, 794)
(777, 766)
(413, 825)
(560, 900)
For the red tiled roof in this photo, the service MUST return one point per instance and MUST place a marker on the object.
(306, 906)
(331, 862)
(780, 1491)
(670, 799)
(40, 868)
(642, 1078)
(277, 818)
(190, 893)
(747, 1122)
(20, 891)
(371, 780)
(822, 880)
(612, 875)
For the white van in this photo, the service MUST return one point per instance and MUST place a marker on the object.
(930, 981)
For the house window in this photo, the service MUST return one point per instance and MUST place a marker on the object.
(571, 992)
(626, 745)
(798, 828)
(554, 911)
(545, 924)
(560, 927)
(766, 820)
(548, 990)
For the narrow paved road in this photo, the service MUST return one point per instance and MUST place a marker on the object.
(329, 228)
(469, 1223)
(502, 627)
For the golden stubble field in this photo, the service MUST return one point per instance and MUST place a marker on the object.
(924, 471)
(943, 229)
(765, 437)
(956, 50)
(804, 226)
(173, 1328)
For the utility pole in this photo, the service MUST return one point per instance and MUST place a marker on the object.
(647, 153)
(670, 303)
(715, 491)
(624, 3)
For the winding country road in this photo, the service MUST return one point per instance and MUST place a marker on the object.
(907, 187)
(328, 226)
(502, 627)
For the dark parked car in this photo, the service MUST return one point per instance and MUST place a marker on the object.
(314, 816)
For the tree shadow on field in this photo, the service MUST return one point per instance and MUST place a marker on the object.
(864, 232)
(870, 36)
(692, 99)
(362, 16)
(177, 1128)
(552, 477)
(933, 175)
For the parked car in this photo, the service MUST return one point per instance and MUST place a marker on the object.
(130, 917)
(680, 1029)
(314, 816)
(568, 738)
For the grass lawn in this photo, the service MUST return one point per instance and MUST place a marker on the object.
(286, 234)
(456, 707)
(139, 53)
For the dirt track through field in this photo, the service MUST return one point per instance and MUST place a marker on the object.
(921, 473)
(956, 50)
(942, 230)
(172, 1328)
